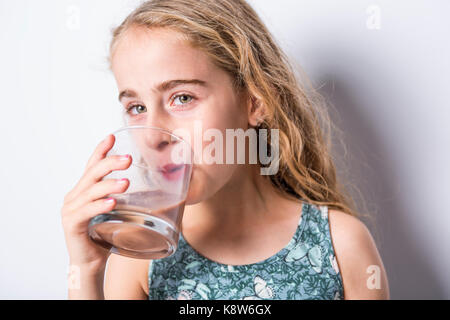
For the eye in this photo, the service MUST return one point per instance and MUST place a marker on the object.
(138, 107)
(183, 98)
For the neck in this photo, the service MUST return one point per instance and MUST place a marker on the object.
(248, 199)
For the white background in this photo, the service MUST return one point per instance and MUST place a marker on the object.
(390, 87)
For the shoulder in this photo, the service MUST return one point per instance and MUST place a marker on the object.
(359, 261)
(126, 278)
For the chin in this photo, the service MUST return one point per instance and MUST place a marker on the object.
(203, 187)
(200, 190)
(196, 192)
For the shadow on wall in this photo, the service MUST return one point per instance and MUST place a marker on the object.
(370, 167)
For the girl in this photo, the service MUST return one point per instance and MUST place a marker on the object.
(289, 235)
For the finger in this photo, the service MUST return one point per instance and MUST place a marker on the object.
(95, 208)
(73, 222)
(101, 190)
(100, 151)
(98, 171)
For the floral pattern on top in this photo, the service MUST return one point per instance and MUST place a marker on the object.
(305, 269)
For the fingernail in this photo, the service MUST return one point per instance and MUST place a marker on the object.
(125, 158)
(109, 200)
(122, 181)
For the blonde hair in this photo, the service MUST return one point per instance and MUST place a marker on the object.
(233, 36)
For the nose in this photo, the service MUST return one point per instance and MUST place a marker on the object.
(157, 139)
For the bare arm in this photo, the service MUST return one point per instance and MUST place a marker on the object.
(126, 278)
(85, 201)
(85, 283)
(360, 264)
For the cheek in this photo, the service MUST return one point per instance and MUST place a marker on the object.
(224, 113)
(208, 179)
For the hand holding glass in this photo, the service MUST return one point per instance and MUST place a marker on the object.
(146, 221)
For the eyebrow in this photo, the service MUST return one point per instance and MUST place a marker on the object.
(164, 86)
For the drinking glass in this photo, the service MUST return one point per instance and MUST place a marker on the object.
(146, 220)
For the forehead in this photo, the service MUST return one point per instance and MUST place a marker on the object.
(159, 54)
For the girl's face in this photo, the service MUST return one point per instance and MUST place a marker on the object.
(147, 65)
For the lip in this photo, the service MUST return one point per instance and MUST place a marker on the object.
(172, 171)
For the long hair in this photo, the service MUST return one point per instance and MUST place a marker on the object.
(231, 33)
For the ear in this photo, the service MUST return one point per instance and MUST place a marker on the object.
(255, 111)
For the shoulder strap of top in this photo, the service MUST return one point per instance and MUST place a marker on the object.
(303, 221)
(150, 273)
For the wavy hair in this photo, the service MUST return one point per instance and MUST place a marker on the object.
(231, 33)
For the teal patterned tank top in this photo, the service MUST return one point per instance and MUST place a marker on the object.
(306, 268)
